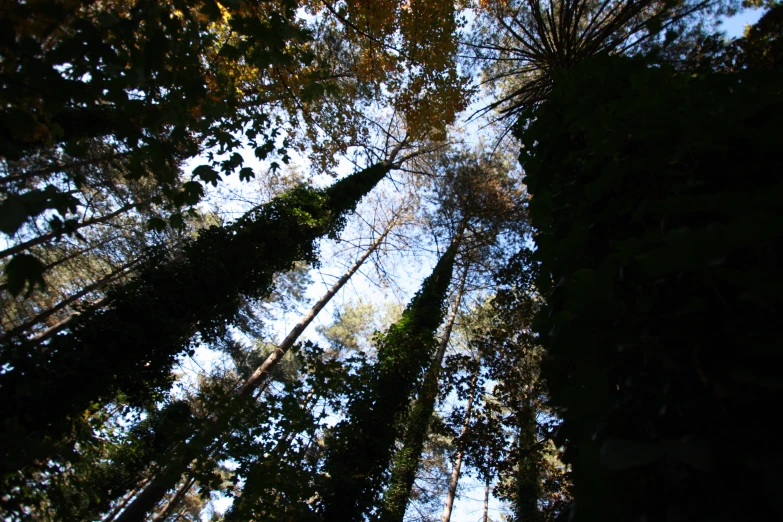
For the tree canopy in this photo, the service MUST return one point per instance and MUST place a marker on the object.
(344, 260)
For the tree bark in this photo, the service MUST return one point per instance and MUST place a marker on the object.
(61, 325)
(175, 500)
(121, 504)
(487, 480)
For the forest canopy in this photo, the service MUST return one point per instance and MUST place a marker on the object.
(345, 260)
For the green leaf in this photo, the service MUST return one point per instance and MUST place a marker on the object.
(22, 270)
(21, 123)
(655, 25)
(263, 151)
(208, 174)
(246, 173)
(229, 51)
(312, 91)
(192, 192)
(177, 222)
(13, 214)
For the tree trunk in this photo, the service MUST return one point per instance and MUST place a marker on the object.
(63, 324)
(71, 255)
(175, 500)
(487, 481)
(122, 503)
(455, 472)
(527, 489)
(44, 238)
(406, 462)
(172, 472)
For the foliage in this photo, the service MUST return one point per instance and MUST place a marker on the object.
(408, 50)
(658, 237)
(131, 346)
(104, 467)
(358, 451)
(525, 43)
(761, 47)
(142, 84)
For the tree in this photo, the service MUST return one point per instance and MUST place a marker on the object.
(90, 84)
(154, 317)
(525, 43)
(406, 460)
(471, 191)
(359, 449)
(457, 466)
(657, 324)
(225, 413)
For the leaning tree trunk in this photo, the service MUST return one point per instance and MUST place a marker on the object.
(406, 461)
(455, 472)
(359, 450)
(170, 475)
(182, 491)
(132, 345)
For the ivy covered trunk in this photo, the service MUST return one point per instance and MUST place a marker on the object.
(360, 448)
(527, 475)
(407, 459)
(129, 347)
(656, 201)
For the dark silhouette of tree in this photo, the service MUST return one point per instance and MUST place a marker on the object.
(657, 267)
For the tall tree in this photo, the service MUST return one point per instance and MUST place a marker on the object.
(167, 477)
(131, 345)
(359, 449)
(478, 191)
(406, 460)
(660, 287)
